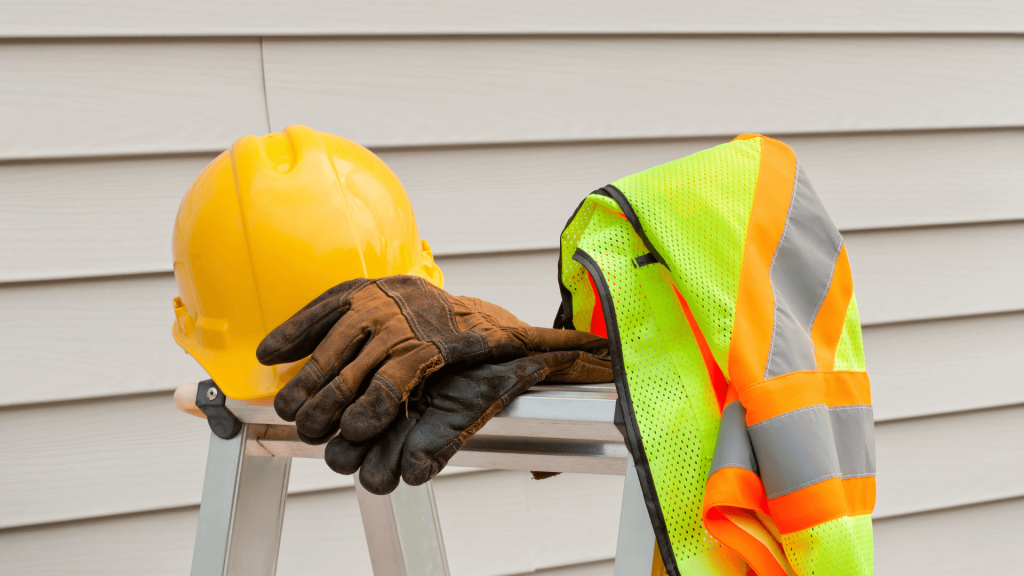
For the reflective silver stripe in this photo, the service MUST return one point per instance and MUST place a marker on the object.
(795, 449)
(855, 426)
(800, 274)
(806, 446)
(733, 447)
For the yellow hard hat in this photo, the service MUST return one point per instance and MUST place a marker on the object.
(271, 224)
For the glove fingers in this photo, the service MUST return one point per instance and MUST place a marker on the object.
(298, 336)
(374, 410)
(463, 402)
(577, 367)
(301, 387)
(315, 441)
(345, 457)
(325, 408)
(317, 372)
(380, 471)
(548, 339)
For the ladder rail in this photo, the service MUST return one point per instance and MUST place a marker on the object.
(403, 532)
(242, 509)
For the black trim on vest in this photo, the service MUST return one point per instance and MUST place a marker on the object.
(627, 210)
(645, 260)
(563, 318)
(625, 404)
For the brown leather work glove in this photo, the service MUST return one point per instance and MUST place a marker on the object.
(454, 405)
(374, 341)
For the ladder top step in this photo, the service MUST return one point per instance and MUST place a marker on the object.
(581, 412)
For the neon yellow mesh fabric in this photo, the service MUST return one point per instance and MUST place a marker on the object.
(671, 393)
(850, 350)
(721, 562)
(583, 302)
(573, 276)
(695, 210)
(840, 547)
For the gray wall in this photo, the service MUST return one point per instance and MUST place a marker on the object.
(498, 118)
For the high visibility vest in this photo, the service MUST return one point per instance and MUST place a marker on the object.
(725, 292)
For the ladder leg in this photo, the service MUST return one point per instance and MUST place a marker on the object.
(242, 510)
(403, 531)
(634, 552)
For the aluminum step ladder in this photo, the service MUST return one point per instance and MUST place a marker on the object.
(552, 428)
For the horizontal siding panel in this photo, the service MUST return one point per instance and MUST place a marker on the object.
(952, 460)
(98, 98)
(175, 96)
(100, 458)
(109, 337)
(137, 454)
(324, 527)
(63, 219)
(321, 528)
(948, 365)
(982, 539)
(519, 197)
(55, 18)
(899, 275)
(85, 218)
(524, 283)
(144, 545)
(916, 178)
(124, 455)
(493, 90)
(904, 275)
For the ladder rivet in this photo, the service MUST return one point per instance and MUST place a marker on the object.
(211, 393)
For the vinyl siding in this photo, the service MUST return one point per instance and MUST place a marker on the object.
(491, 90)
(57, 18)
(113, 336)
(153, 458)
(316, 542)
(111, 97)
(498, 119)
(503, 198)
